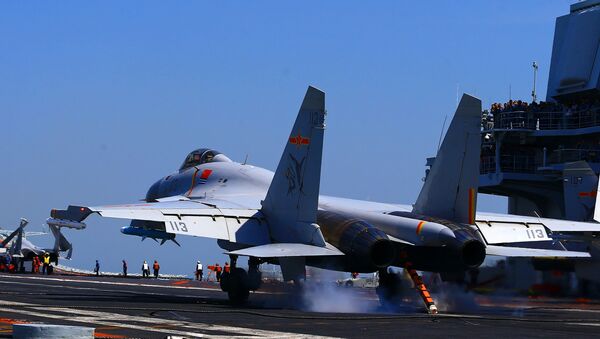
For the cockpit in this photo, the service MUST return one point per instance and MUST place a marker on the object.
(203, 156)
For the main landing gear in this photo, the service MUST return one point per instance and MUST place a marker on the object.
(391, 289)
(238, 283)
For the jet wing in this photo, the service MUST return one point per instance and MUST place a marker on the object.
(6, 233)
(200, 218)
(34, 234)
(507, 251)
(554, 225)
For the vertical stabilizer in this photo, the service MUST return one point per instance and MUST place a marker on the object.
(16, 233)
(290, 205)
(580, 185)
(61, 243)
(597, 206)
(450, 190)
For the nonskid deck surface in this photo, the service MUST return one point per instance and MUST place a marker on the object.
(122, 308)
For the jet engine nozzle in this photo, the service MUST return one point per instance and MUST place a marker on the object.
(468, 246)
(383, 253)
(461, 248)
(473, 253)
(366, 247)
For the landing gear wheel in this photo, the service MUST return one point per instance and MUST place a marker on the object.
(254, 280)
(224, 283)
(237, 289)
(390, 289)
(254, 274)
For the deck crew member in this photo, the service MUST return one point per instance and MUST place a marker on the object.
(145, 270)
(156, 267)
(199, 270)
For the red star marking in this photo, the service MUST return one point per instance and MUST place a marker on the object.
(205, 174)
(299, 140)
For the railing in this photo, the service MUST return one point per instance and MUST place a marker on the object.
(560, 156)
(509, 164)
(546, 120)
(517, 163)
(487, 165)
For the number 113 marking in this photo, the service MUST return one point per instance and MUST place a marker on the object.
(178, 226)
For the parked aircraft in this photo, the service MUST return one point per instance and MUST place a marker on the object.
(280, 218)
(15, 243)
(19, 249)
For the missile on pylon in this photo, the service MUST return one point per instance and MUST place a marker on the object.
(65, 223)
(149, 233)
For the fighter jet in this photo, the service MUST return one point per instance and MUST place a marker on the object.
(19, 249)
(280, 217)
(15, 243)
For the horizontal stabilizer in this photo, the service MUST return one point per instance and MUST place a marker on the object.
(281, 250)
(533, 252)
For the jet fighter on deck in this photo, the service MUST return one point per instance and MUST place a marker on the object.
(16, 245)
(280, 218)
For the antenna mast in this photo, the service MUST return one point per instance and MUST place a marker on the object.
(533, 94)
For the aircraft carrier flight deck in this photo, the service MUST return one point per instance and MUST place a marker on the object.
(124, 308)
(92, 138)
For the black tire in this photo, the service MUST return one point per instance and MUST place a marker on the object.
(237, 289)
(349, 283)
(254, 280)
(390, 290)
(225, 282)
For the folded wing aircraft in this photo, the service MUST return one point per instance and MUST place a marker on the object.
(16, 245)
(280, 217)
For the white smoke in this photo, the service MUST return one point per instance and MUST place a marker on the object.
(322, 294)
(334, 299)
(455, 298)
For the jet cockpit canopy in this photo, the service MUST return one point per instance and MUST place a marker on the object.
(203, 156)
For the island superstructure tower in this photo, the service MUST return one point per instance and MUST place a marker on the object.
(545, 156)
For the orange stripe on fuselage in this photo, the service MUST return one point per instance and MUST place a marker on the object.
(472, 206)
(420, 227)
(193, 183)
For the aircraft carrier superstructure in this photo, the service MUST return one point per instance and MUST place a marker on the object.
(545, 155)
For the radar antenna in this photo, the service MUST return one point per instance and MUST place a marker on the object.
(533, 94)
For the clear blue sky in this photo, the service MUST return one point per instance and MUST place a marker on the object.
(100, 99)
